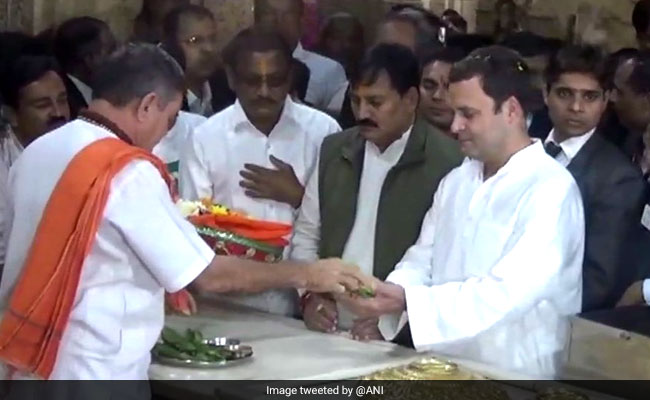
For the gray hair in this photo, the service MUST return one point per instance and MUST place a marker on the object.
(136, 70)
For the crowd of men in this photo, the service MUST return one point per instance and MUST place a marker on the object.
(487, 187)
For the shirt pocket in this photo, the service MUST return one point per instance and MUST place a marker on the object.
(95, 324)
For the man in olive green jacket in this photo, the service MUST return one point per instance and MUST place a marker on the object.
(374, 183)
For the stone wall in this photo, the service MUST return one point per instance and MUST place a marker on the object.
(551, 17)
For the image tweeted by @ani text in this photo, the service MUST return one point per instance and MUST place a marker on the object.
(338, 390)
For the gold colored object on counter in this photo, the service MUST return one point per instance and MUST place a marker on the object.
(425, 369)
(439, 381)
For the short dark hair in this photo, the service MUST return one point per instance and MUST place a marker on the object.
(503, 74)
(584, 59)
(256, 39)
(469, 42)
(639, 80)
(76, 39)
(527, 44)
(449, 55)
(136, 70)
(172, 21)
(641, 17)
(397, 61)
(455, 19)
(616, 59)
(425, 24)
(24, 71)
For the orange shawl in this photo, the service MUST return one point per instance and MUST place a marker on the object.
(39, 308)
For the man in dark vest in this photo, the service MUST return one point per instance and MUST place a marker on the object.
(374, 183)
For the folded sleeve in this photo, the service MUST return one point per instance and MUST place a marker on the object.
(141, 209)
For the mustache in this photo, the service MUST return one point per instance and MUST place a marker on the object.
(264, 101)
(56, 122)
(367, 122)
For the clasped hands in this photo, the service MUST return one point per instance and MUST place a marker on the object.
(320, 311)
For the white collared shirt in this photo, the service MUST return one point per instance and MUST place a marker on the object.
(327, 81)
(172, 144)
(646, 291)
(85, 90)
(497, 268)
(143, 247)
(360, 246)
(203, 105)
(220, 147)
(570, 147)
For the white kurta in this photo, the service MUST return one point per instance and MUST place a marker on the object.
(327, 81)
(220, 147)
(142, 248)
(360, 246)
(498, 266)
(170, 147)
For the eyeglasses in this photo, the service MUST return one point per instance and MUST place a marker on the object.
(198, 41)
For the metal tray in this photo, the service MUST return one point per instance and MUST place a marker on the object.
(238, 354)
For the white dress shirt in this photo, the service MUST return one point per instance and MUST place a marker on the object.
(85, 90)
(327, 81)
(172, 144)
(646, 291)
(220, 147)
(497, 268)
(360, 247)
(143, 247)
(203, 105)
(570, 147)
(10, 149)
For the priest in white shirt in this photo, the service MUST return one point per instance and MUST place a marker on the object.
(327, 83)
(256, 155)
(96, 238)
(354, 205)
(190, 36)
(612, 187)
(497, 269)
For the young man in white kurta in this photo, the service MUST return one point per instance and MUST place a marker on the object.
(143, 247)
(220, 147)
(493, 275)
(497, 268)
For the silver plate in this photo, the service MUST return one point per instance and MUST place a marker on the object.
(238, 354)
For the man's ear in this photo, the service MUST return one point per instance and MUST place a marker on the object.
(546, 93)
(230, 75)
(11, 115)
(413, 97)
(145, 106)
